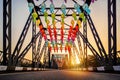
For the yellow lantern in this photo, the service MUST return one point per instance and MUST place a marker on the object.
(38, 22)
(72, 22)
(79, 23)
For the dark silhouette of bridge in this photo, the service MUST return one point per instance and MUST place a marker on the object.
(16, 58)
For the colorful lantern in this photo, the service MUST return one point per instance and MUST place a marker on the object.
(45, 15)
(43, 7)
(61, 47)
(31, 7)
(34, 16)
(69, 48)
(52, 8)
(86, 8)
(53, 17)
(38, 22)
(41, 27)
(81, 15)
(79, 23)
(55, 32)
(77, 28)
(74, 16)
(77, 8)
(45, 37)
(63, 9)
(62, 18)
(72, 22)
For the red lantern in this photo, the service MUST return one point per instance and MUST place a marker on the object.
(61, 48)
(69, 49)
(77, 28)
(50, 48)
(65, 48)
(41, 27)
(42, 32)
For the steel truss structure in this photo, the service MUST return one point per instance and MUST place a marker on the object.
(112, 37)
(14, 59)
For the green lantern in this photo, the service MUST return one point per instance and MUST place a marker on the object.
(74, 16)
(34, 16)
(45, 15)
(53, 17)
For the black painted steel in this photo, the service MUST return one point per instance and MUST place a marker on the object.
(19, 44)
(97, 39)
(34, 60)
(84, 44)
(95, 53)
(7, 6)
(112, 32)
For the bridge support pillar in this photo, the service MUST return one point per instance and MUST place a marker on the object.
(112, 41)
(7, 4)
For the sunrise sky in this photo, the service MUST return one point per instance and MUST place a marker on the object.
(98, 13)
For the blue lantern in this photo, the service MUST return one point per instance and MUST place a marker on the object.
(77, 7)
(63, 9)
(43, 7)
(31, 7)
(52, 8)
(86, 8)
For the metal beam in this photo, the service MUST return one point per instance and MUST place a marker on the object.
(27, 48)
(97, 39)
(112, 32)
(41, 53)
(84, 44)
(19, 44)
(75, 48)
(38, 50)
(34, 60)
(95, 53)
(7, 6)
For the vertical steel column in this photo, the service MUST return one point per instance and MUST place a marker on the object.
(34, 44)
(7, 32)
(112, 32)
(85, 44)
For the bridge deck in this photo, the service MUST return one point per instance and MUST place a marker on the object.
(59, 75)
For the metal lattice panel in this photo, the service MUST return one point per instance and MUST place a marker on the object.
(7, 4)
(112, 48)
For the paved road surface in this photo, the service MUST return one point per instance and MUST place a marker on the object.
(59, 75)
